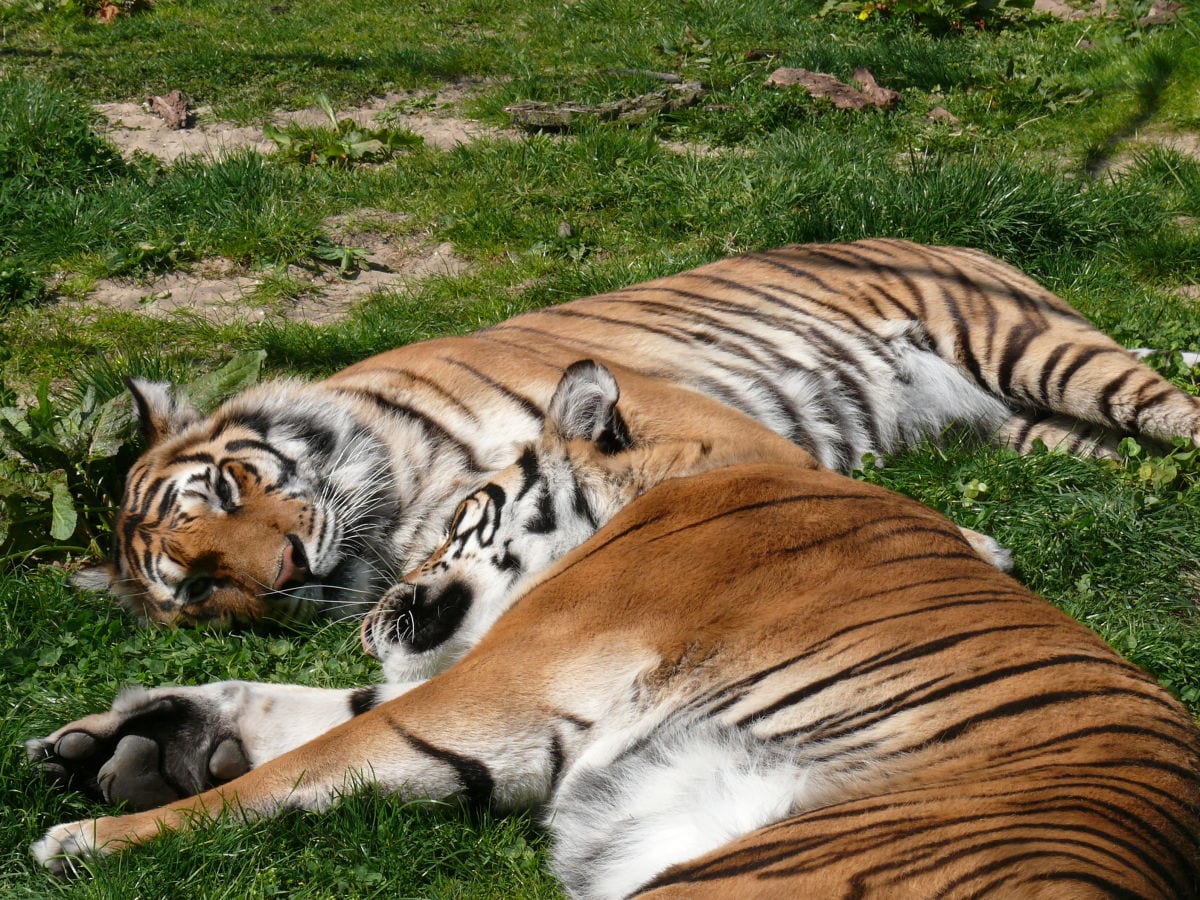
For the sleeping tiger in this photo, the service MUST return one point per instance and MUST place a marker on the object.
(293, 498)
(762, 680)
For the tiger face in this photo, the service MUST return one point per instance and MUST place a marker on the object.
(582, 470)
(236, 518)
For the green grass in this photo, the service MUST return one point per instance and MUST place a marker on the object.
(1110, 544)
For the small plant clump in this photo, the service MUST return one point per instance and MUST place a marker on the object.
(938, 16)
(342, 143)
(63, 458)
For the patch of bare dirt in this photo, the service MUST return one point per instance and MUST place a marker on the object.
(131, 127)
(221, 292)
(1184, 142)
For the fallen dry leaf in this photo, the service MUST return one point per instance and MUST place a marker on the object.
(632, 110)
(941, 114)
(1162, 12)
(172, 107)
(107, 13)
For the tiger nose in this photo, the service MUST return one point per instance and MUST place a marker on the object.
(293, 567)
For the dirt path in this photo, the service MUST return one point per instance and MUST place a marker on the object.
(220, 291)
(132, 128)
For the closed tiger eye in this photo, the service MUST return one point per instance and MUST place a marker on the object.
(225, 492)
(198, 589)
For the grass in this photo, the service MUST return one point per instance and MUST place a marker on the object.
(1041, 111)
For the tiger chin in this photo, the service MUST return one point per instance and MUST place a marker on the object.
(294, 499)
(765, 680)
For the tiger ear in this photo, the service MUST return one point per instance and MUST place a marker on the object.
(584, 406)
(95, 579)
(160, 410)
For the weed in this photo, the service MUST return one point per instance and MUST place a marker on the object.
(348, 260)
(62, 459)
(342, 143)
(938, 16)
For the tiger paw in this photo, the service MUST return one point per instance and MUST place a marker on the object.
(64, 847)
(150, 748)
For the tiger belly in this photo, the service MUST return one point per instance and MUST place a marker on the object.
(635, 805)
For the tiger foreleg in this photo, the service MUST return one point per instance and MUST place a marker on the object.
(506, 751)
(154, 746)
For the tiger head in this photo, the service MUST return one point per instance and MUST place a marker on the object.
(269, 508)
(589, 462)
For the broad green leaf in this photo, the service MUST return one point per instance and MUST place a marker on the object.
(63, 517)
(359, 148)
(278, 136)
(239, 373)
(112, 428)
(18, 482)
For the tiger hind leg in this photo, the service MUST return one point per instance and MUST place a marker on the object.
(1022, 343)
(1023, 430)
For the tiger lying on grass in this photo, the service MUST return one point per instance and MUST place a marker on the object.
(297, 497)
(763, 680)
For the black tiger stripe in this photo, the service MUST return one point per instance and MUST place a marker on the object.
(1083, 355)
(545, 520)
(1111, 888)
(252, 420)
(363, 700)
(925, 527)
(1105, 398)
(963, 352)
(557, 758)
(763, 504)
(530, 471)
(580, 505)
(1015, 348)
(287, 465)
(1115, 813)
(434, 429)
(1022, 436)
(886, 658)
(1049, 364)
(204, 457)
(531, 409)
(433, 387)
(751, 347)
(473, 774)
(1023, 706)
(965, 555)
(1108, 842)
(713, 387)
